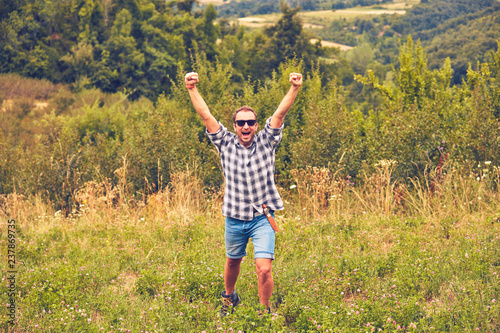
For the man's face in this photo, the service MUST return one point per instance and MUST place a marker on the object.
(246, 132)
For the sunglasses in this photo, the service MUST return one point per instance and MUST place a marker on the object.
(241, 123)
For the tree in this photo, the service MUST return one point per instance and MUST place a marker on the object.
(209, 32)
(185, 5)
(11, 52)
(285, 36)
(124, 57)
(9, 6)
(90, 21)
(280, 42)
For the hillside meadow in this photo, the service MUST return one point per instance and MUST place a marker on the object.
(367, 263)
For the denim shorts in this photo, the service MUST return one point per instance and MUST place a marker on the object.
(238, 232)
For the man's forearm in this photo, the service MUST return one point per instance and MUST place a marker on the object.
(199, 103)
(284, 107)
(202, 109)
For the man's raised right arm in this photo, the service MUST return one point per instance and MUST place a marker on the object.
(212, 125)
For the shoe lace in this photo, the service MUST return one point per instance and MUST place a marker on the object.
(226, 302)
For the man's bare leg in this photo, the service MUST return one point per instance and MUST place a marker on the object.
(231, 272)
(265, 282)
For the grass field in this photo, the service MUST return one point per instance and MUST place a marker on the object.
(319, 19)
(361, 262)
(215, 2)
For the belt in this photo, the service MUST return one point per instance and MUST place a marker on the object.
(256, 213)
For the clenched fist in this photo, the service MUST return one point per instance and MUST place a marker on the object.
(296, 79)
(191, 79)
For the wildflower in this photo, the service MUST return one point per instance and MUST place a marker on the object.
(412, 325)
(487, 162)
(384, 163)
(493, 300)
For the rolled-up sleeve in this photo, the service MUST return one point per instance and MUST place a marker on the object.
(274, 134)
(218, 136)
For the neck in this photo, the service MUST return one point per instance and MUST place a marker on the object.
(246, 145)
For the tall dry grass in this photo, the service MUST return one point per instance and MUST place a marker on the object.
(13, 86)
(379, 194)
(318, 193)
(101, 202)
(314, 190)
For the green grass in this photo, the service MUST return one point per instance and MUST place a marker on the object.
(361, 272)
(357, 12)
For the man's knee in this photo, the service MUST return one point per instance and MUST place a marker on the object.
(263, 267)
(231, 263)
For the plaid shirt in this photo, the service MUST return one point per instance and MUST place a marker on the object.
(249, 172)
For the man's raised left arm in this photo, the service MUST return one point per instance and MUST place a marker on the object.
(287, 102)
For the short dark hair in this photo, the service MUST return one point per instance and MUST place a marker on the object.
(244, 108)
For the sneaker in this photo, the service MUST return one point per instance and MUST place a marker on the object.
(227, 301)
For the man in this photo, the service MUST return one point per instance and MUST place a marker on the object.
(248, 164)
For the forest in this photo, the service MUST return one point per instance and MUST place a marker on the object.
(138, 46)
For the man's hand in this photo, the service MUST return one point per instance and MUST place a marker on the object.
(191, 79)
(296, 79)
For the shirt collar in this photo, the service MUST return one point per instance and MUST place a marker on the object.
(239, 145)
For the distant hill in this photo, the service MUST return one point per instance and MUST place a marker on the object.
(465, 31)
(432, 14)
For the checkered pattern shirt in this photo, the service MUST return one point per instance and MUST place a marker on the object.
(249, 172)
